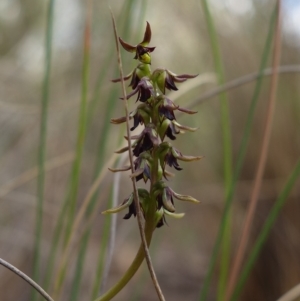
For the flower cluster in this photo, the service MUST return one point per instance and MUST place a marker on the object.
(156, 112)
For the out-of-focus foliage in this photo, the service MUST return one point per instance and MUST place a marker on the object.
(183, 250)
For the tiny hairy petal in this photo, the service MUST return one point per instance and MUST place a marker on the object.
(175, 215)
(124, 168)
(186, 76)
(116, 80)
(186, 198)
(137, 173)
(119, 120)
(189, 158)
(184, 127)
(186, 111)
(168, 173)
(147, 35)
(122, 150)
(179, 79)
(133, 137)
(127, 46)
(115, 209)
(119, 208)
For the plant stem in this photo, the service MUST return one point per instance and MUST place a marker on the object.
(42, 147)
(132, 269)
(26, 278)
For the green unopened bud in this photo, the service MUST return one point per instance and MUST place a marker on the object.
(159, 78)
(159, 215)
(143, 70)
(144, 199)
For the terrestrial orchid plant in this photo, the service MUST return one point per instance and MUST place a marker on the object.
(152, 151)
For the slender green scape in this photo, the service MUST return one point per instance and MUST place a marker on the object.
(153, 154)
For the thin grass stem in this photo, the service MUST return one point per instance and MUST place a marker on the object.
(72, 197)
(26, 278)
(42, 146)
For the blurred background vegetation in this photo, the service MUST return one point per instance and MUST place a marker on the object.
(181, 251)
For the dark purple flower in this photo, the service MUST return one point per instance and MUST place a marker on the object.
(169, 155)
(166, 79)
(142, 70)
(142, 167)
(167, 108)
(131, 211)
(142, 51)
(168, 129)
(146, 140)
(144, 89)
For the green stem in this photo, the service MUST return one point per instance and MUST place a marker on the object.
(101, 257)
(42, 148)
(132, 269)
(71, 200)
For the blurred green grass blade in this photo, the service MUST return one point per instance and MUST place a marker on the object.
(79, 267)
(80, 137)
(42, 146)
(98, 166)
(54, 246)
(240, 159)
(101, 76)
(227, 149)
(71, 199)
(102, 253)
(276, 209)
